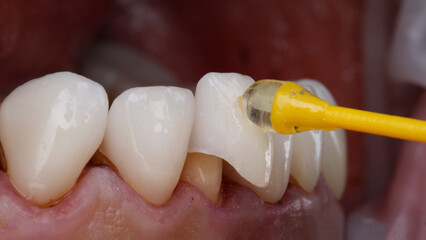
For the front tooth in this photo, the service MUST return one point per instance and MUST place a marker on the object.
(221, 128)
(205, 173)
(307, 151)
(281, 162)
(49, 129)
(334, 155)
(147, 138)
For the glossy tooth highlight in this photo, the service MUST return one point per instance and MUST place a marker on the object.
(205, 173)
(281, 162)
(49, 129)
(221, 129)
(334, 153)
(147, 138)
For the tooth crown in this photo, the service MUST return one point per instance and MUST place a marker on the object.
(49, 129)
(222, 129)
(147, 138)
(334, 153)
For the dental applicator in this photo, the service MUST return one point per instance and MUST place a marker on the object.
(288, 108)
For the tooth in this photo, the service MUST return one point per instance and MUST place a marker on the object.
(306, 157)
(205, 173)
(334, 155)
(281, 162)
(221, 129)
(147, 138)
(49, 129)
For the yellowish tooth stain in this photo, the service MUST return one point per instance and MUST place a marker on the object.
(205, 173)
(100, 159)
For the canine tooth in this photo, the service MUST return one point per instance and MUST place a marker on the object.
(221, 128)
(281, 162)
(49, 129)
(147, 138)
(334, 155)
(205, 173)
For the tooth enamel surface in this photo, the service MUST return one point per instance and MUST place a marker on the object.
(281, 162)
(306, 156)
(221, 129)
(49, 129)
(334, 153)
(147, 138)
(205, 173)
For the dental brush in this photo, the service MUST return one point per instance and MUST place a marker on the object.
(288, 108)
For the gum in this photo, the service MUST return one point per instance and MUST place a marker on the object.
(103, 206)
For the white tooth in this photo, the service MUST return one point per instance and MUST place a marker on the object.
(334, 155)
(221, 128)
(281, 162)
(147, 138)
(306, 157)
(49, 128)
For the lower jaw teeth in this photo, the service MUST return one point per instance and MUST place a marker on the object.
(148, 136)
(205, 173)
(44, 126)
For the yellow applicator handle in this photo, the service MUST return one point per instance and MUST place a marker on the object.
(288, 108)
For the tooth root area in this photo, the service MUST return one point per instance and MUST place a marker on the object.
(49, 129)
(147, 138)
(99, 158)
(205, 173)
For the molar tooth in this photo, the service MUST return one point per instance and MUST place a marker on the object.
(147, 138)
(334, 155)
(221, 128)
(49, 129)
(205, 173)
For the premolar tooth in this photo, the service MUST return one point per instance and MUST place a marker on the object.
(49, 129)
(147, 138)
(205, 173)
(281, 162)
(221, 128)
(334, 155)
(307, 151)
